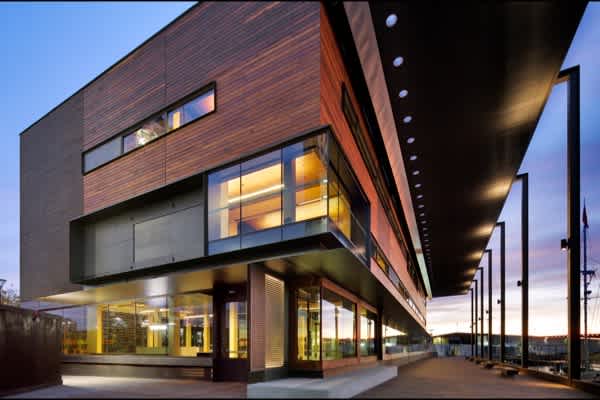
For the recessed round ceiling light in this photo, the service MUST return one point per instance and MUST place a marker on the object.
(422, 215)
(391, 20)
(420, 206)
(413, 157)
(407, 119)
(424, 228)
(418, 185)
(398, 61)
(423, 222)
(416, 172)
(426, 234)
(410, 140)
(403, 93)
(419, 196)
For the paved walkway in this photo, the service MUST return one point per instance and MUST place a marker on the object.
(103, 387)
(455, 377)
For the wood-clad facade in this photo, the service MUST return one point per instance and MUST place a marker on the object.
(278, 78)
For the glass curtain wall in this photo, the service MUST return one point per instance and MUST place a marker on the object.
(308, 312)
(368, 320)
(178, 325)
(285, 194)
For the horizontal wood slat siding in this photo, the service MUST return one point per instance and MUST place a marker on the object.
(264, 58)
(333, 74)
(132, 90)
(51, 195)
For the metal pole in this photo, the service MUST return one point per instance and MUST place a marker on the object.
(482, 286)
(472, 338)
(476, 319)
(571, 75)
(502, 226)
(585, 299)
(489, 253)
(524, 269)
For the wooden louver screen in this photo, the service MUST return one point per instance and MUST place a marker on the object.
(274, 324)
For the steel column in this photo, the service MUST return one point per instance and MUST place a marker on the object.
(472, 338)
(502, 226)
(524, 269)
(489, 253)
(571, 76)
(476, 318)
(482, 280)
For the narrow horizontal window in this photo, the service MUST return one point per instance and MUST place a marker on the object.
(102, 154)
(151, 129)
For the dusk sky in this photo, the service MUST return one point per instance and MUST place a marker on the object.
(52, 50)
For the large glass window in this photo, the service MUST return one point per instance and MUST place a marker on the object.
(339, 330)
(179, 325)
(224, 209)
(308, 311)
(236, 330)
(151, 326)
(394, 340)
(190, 329)
(367, 332)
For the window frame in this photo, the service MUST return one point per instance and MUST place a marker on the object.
(164, 111)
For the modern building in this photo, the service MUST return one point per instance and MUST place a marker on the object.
(263, 190)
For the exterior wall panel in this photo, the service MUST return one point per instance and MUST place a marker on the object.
(333, 75)
(51, 194)
(264, 58)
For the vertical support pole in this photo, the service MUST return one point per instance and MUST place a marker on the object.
(502, 226)
(524, 269)
(472, 337)
(489, 253)
(571, 75)
(573, 162)
(476, 319)
(482, 280)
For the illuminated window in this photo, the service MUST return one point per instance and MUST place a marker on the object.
(308, 311)
(236, 330)
(367, 332)
(152, 128)
(190, 331)
(149, 131)
(339, 327)
(151, 326)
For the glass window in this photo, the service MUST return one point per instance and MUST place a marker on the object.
(367, 332)
(224, 211)
(102, 154)
(339, 330)
(192, 110)
(149, 131)
(339, 205)
(394, 277)
(119, 328)
(305, 180)
(236, 330)
(151, 326)
(190, 325)
(308, 311)
(261, 193)
(394, 340)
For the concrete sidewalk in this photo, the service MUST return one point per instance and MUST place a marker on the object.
(103, 387)
(455, 377)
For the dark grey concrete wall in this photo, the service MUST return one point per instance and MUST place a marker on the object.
(30, 349)
(51, 195)
(139, 236)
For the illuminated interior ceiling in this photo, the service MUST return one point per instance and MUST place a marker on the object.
(464, 86)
